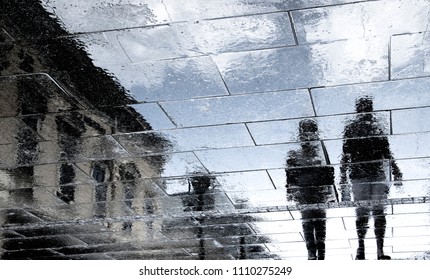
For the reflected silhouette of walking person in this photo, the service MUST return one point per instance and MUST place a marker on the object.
(366, 165)
(200, 199)
(310, 181)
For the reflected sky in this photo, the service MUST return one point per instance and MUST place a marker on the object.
(256, 107)
(373, 19)
(410, 57)
(170, 80)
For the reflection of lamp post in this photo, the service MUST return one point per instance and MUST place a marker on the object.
(199, 185)
(129, 174)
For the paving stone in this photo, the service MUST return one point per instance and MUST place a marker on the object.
(367, 19)
(223, 110)
(303, 66)
(190, 139)
(97, 249)
(18, 216)
(29, 254)
(40, 242)
(409, 57)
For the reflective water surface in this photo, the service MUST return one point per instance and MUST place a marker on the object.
(148, 129)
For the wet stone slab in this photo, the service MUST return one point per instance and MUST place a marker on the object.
(361, 20)
(41, 242)
(189, 139)
(27, 196)
(107, 15)
(152, 255)
(174, 164)
(99, 15)
(49, 152)
(154, 114)
(411, 120)
(76, 250)
(401, 94)
(33, 94)
(409, 55)
(15, 127)
(61, 229)
(139, 45)
(28, 254)
(58, 126)
(247, 158)
(172, 79)
(43, 176)
(303, 66)
(219, 9)
(243, 33)
(330, 127)
(240, 108)
(18, 216)
(263, 199)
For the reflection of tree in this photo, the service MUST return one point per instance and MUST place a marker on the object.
(310, 181)
(366, 163)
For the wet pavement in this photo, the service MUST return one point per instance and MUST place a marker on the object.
(153, 129)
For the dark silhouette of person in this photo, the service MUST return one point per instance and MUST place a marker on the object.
(366, 165)
(309, 182)
(200, 199)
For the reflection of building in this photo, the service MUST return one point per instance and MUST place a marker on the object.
(58, 137)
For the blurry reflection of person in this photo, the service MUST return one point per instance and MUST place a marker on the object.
(366, 162)
(310, 181)
(200, 199)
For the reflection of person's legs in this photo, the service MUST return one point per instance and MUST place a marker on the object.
(361, 224)
(309, 234)
(362, 192)
(320, 234)
(379, 192)
(314, 231)
(380, 225)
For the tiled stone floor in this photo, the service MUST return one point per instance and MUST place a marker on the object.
(163, 129)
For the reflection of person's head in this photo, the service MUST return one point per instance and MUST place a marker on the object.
(364, 105)
(200, 183)
(308, 130)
